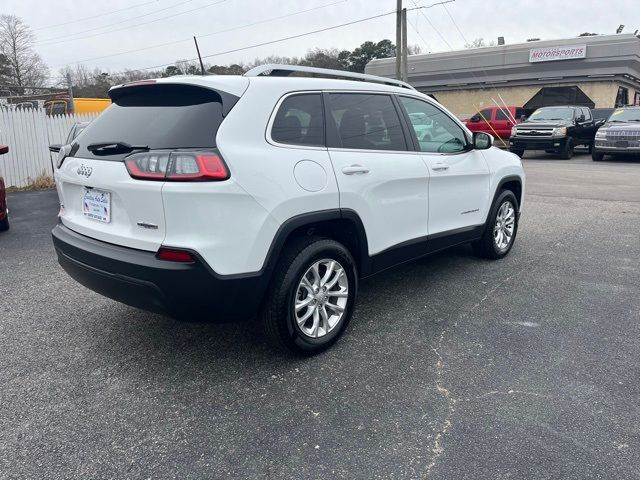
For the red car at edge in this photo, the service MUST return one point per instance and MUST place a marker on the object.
(4, 211)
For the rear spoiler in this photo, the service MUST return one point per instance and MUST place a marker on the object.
(119, 91)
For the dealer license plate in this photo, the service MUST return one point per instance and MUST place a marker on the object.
(96, 204)
(622, 144)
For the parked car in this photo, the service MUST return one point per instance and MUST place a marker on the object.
(274, 195)
(555, 130)
(495, 120)
(4, 209)
(620, 135)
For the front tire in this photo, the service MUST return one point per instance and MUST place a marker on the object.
(596, 156)
(311, 298)
(501, 227)
(517, 151)
(566, 152)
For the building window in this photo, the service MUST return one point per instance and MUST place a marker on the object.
(622, 98)
(636, 98)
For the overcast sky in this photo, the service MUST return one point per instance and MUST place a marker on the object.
(122, 25)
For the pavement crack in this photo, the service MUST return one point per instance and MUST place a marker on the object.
(437, 448)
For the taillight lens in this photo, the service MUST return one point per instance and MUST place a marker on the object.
(174, 255)
(177, 166)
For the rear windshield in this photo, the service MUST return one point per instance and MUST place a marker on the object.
(157, 116)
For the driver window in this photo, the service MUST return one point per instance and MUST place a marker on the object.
(435, 130)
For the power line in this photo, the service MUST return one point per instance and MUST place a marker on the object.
(136, 24)
(433, 26)
(280, 17)
(95, 16)
(291, 37)
(52, 40)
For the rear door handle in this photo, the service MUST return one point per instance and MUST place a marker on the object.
(440, 167)
(353, 169)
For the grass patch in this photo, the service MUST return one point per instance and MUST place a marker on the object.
(41, 182)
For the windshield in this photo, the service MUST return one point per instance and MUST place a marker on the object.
(625, 115)
(159, 117)
(552, 113)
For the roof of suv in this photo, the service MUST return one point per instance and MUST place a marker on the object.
(237, 84)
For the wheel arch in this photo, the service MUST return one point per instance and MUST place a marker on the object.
(510, 182)
(342, 225)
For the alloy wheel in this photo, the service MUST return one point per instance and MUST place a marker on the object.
(504, 226)
(321, 298)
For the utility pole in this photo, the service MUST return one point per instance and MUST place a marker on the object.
(405, 68)
(199, 57)
(399, 40)
(71, 108)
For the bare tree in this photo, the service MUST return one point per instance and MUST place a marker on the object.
(479, 43)
(26, 68)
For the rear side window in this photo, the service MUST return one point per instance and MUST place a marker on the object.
(367, 121)
(300, 121)
(157, 116)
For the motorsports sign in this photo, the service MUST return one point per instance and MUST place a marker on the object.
(549, 54)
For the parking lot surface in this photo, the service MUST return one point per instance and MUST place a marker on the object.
(453, 367)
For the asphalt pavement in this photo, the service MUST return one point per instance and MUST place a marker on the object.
(452, 368)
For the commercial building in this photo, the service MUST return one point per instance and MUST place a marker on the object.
(600, 71)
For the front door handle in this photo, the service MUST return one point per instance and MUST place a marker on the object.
(440, 167)
(353, 169)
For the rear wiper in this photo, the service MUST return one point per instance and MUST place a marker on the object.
(117, 146)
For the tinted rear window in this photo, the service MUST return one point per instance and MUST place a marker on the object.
(157, 116)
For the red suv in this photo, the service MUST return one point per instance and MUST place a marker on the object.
(4, 211)
(495, 120)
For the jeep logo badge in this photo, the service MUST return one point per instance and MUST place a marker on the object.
(84, 171)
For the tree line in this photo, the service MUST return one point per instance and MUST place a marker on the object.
(96, 82)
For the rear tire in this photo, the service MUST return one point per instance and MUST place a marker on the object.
(4, 224)
(501, 228)
(596, 156)
(311, 297)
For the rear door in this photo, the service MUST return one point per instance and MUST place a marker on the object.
(98, 196)
(378, 174)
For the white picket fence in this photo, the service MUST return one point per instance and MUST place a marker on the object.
(29, 134)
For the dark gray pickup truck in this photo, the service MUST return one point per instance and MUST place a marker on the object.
(555, 130)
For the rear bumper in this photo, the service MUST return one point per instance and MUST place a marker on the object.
(537, 143)
(137, 278)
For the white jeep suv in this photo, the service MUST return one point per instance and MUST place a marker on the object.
(225, 196)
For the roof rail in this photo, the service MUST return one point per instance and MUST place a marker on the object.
(285, 70)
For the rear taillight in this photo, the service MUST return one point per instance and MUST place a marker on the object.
(177, 166)
(174, 255)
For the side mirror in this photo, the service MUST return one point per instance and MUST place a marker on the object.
(475, 119)
(581, 118)
(4, 149)
(482, 141)
(523, 118)
(55, 148)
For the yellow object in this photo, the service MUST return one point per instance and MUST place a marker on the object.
(80, 105)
